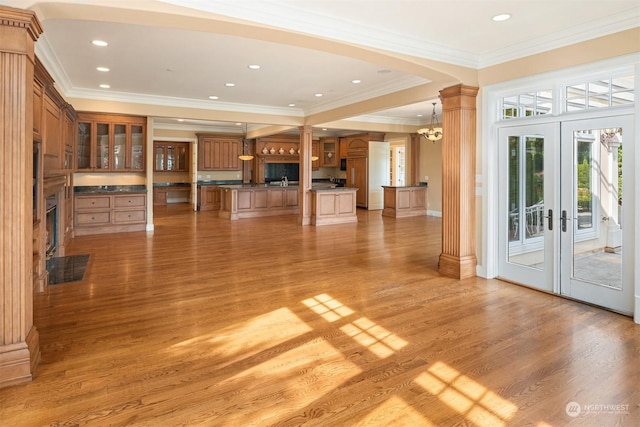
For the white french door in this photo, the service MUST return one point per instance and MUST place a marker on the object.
(595, 259)
(562, 211)
(527, 176)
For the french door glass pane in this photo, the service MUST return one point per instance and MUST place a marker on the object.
(597, 243)
(534, 186)
(526, 200)
(514, 188)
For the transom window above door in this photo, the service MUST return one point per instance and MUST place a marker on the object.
(591, 93)
(600, 93)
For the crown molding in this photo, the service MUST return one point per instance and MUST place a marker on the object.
(608, 25)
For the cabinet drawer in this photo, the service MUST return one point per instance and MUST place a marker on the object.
(122, 217)
(129, 201)
(94, 202)
(93, 218)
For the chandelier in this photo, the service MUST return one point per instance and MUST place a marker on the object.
(433, 133)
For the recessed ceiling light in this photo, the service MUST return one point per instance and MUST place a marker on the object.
(292, 105)
(501, 17)
(418, 115)
(103, 69)
(356, 81)
(213, 97)
(105, 86)
(254, 67)
(318, 95)
(229, 84)
(100, 43)
(238, 124)
(181, 120)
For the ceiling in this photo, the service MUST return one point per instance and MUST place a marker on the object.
(178, 53)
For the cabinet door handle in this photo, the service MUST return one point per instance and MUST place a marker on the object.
(563, 221)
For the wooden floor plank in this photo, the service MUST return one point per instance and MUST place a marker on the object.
(262, 322)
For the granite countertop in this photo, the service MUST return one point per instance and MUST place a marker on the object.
(171, 184)
(405, 186)
(109, 189)
(219, 182)
(334, 189)
(248, 186)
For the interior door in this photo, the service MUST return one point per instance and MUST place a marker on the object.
(594, 249)
(527, 204)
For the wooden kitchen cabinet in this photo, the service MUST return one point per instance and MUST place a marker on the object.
(357, 178)
(110, 213)
(251, 202)
(209, 198)
(110, 143)
(170, 156)
(405, 201)
(344, 145)
(333, 206)
(315, 152)
(329, 152)
(219, 152)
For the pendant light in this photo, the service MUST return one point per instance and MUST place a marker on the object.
(245, 157)
(433, 133)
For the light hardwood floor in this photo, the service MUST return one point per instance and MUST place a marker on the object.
(265, 322)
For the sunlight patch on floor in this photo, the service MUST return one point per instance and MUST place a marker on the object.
(251, 336)
(327, 307)
(466, 396)
(364, 331)
(395, 412)
(373, 336)
(303, 375)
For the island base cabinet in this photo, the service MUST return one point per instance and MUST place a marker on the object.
(250, 202)
(405, 201)
(209, 199)
(336, 206)
(110, 213)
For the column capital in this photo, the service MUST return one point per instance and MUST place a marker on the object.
(459, 90)
(21, 18)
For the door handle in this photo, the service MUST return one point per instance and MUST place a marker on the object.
(563, 221)
(550, 219)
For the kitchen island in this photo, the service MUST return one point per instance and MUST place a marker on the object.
(256, 200)
(403, 201)
(333, 205)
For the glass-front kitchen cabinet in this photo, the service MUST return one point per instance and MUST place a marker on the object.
(329, 152)
(170, 156)
(110, 143)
